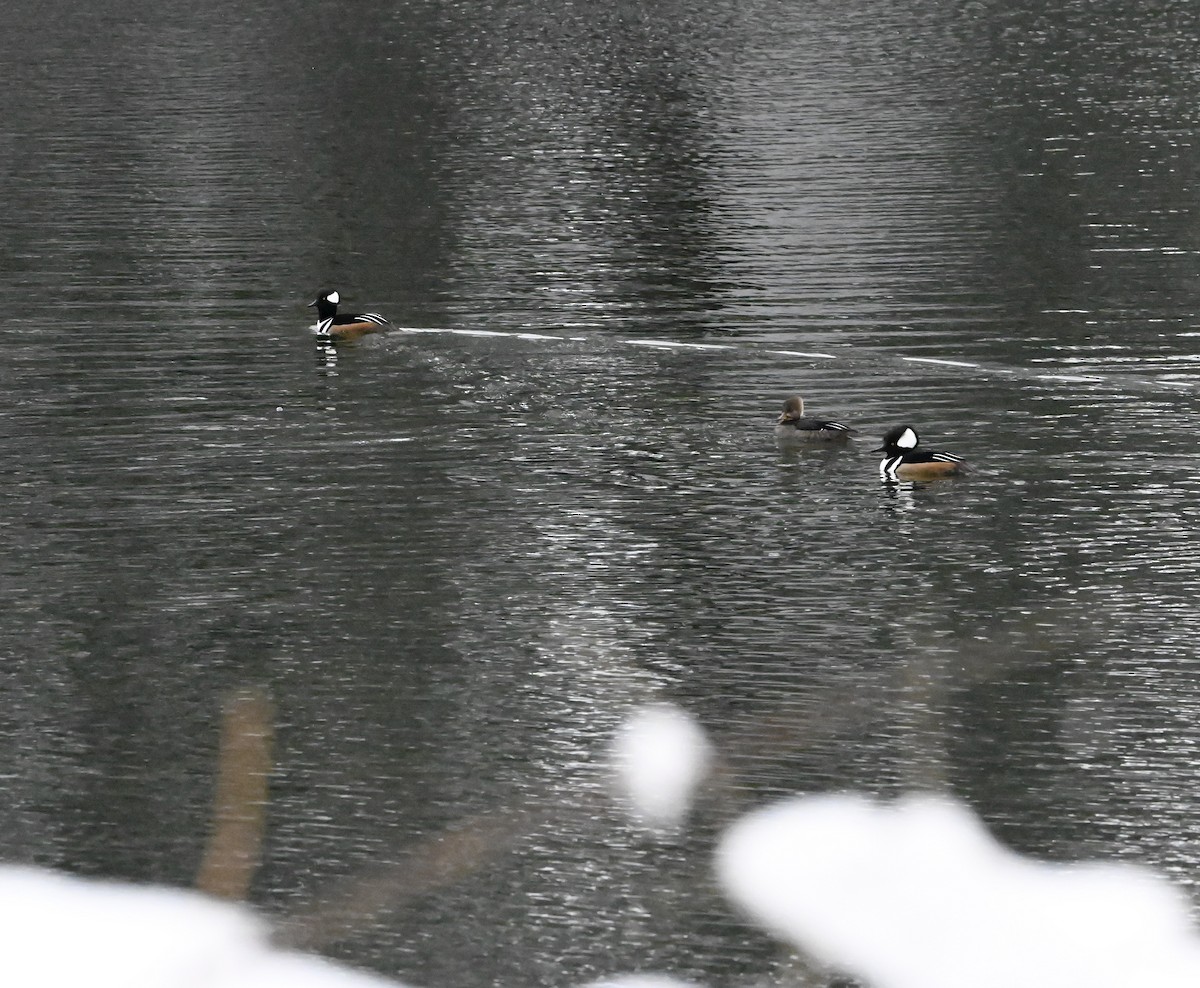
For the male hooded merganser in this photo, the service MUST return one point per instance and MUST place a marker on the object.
(793, 426)
(331, 326)
(903, 461)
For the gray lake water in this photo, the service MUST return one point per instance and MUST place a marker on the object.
(457, 558)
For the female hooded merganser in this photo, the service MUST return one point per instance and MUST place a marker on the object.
(331, 326)
(903, 461)
(793, 426)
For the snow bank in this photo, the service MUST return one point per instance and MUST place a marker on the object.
(62, 932)
(917, 894)
(660, 755)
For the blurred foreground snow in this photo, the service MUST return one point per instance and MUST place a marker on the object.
(909, 894)
(660, 756)
(64, 932)
(917, 894)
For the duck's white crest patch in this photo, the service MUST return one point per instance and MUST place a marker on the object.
(333, 297)
(907, 440)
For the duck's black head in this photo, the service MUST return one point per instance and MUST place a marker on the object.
(898, 440)
(327, 304)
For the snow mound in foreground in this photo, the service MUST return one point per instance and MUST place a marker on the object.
(917, 894)
(660, 756)
(65, 932)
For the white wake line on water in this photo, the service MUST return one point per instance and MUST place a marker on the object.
(493, 332)
(938, 360)
(850, 352)
(675, 345)
(800, 353)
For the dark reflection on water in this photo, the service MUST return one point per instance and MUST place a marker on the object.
(458, 560)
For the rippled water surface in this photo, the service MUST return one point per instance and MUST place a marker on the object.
(613, 238)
